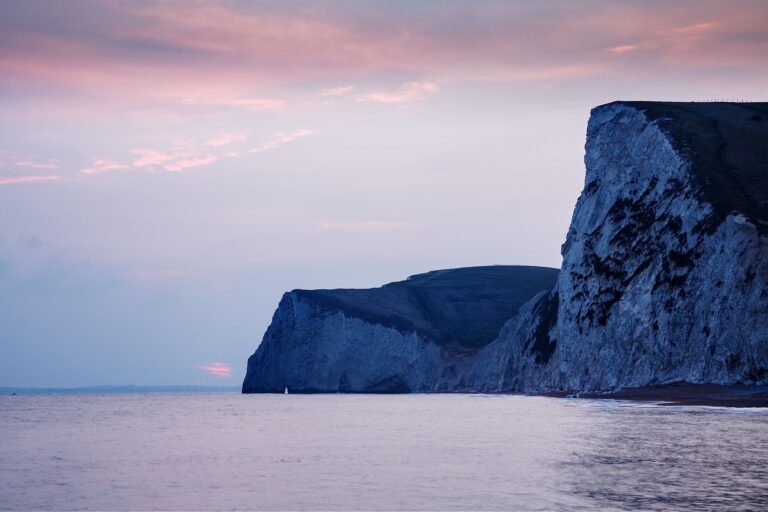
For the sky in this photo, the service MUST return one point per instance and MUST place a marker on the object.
(169, 169)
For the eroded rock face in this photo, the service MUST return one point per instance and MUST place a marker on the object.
(416, 335)
(664, 276)
(664, 279)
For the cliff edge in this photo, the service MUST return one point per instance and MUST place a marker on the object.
(665, 266)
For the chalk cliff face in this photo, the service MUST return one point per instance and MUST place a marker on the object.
(664, 279)
(415, 335)
(665, 266)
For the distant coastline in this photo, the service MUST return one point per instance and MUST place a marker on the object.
(121, 389)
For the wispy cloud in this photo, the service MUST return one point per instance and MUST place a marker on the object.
(624, 48)
(246, 103)
(233, 53)
(411, 91)
(698, 27)
(31, 161)
(150, 157)
(100, 165)
(186, 163)
(338, 91)
(38, 165)
(173, 161)
(27, 179)
(281, 139)
(366, 225)
(224, 139)
(217, 369)
(181, 156)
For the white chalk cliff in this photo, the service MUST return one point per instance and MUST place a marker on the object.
(417, 335)
(665, 266)
(664, 279)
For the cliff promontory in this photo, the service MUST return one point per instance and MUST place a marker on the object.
(414, 335)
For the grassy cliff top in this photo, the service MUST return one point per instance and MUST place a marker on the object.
(727, 144)
(462, 309)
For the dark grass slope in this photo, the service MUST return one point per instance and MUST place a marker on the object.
(461, 309)
(727, 144)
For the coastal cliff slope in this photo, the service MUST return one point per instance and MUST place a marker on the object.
(414, 335)
(665, 265)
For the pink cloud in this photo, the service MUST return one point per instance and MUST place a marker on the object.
(281, 139)
(227, 138)
(411, 91)
(698, 27)
(624, 48)
(252, 103)
(217, 369)
(338, 91)
(173, 162)
(150, 157)
(99, 166)
(230, 54)
(186, 163)
(247, 103)
(27, 179)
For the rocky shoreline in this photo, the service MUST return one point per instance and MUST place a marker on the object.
(684, 393)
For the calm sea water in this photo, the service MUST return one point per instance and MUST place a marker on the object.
(340, 452)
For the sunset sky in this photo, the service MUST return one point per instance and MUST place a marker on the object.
(169, 169)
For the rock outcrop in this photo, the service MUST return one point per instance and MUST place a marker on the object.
(665, 266)
(664, 279)
(414, 335)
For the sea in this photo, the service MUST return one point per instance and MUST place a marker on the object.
(226, 451)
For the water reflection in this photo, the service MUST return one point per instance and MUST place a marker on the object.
(352, 452)
(662, 458)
